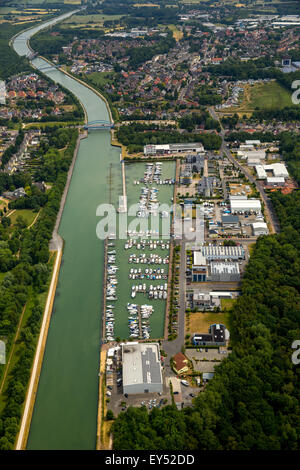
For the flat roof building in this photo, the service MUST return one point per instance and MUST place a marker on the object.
(275, 181)
(230, 221)
(216, 252)
(224, 272)
(217, 336)
(275, 170)
(151, 149)
(199, 267)
(141, 368)
(260, 228)
(245, 205)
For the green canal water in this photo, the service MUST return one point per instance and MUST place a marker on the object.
(65, 410)
(135, 171)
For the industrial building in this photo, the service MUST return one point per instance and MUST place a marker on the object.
(224, 272)
(215, 252)
(275, 170)
(141, 368)
(199, 267)
(207, 301)
(275, 181)
(151, 149)
(260, 228)
(230, 221)
(245, 205)
(252, 154)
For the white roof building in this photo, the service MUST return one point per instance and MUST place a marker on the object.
(260, 228)
(141, 368)
(199, 259)
(245, 205)
(278, 170)
(261, 172)
(275, 180)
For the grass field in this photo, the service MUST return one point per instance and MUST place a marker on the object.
(226, 304)
(200, 322)
(262, 96)
(87, 19)
(100, 78)
(270, 96)
(177, 34)
(27, 214)
(2, 276)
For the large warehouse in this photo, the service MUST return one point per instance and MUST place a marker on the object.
(173, 148)
(245, 205)
(141, 368)
(211, 252)
(224, 272)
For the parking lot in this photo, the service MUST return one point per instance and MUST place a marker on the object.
(205, 360)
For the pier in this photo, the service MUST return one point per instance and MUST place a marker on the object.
(123, 199)
(104, 291)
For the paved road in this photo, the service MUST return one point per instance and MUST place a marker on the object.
(267, 202)
(173, 347)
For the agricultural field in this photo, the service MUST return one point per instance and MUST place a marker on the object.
(88, 20)
(20, 16)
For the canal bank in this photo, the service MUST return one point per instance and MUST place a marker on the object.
(65, 411)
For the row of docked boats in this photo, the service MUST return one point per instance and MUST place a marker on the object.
(154, 292)
(149, 274)
(138, 320)
(153, 258)
(111, 291)
(142, 244)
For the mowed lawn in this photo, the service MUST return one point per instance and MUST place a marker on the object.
(27, 214)
(269, 96)
(200, 321)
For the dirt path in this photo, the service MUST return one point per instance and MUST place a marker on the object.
(12, 349)
(35, 219)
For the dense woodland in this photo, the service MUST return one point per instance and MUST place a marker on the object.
(136, 135)
(26, 253)
(253, 400)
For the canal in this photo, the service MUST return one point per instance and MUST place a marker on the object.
(65, 410)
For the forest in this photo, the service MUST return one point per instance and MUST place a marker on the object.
(136, 135)
(252, 403)
(28, 270)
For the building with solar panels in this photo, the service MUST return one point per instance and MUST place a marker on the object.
(141, 368)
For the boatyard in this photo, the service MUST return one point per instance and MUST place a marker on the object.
(136, 281)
